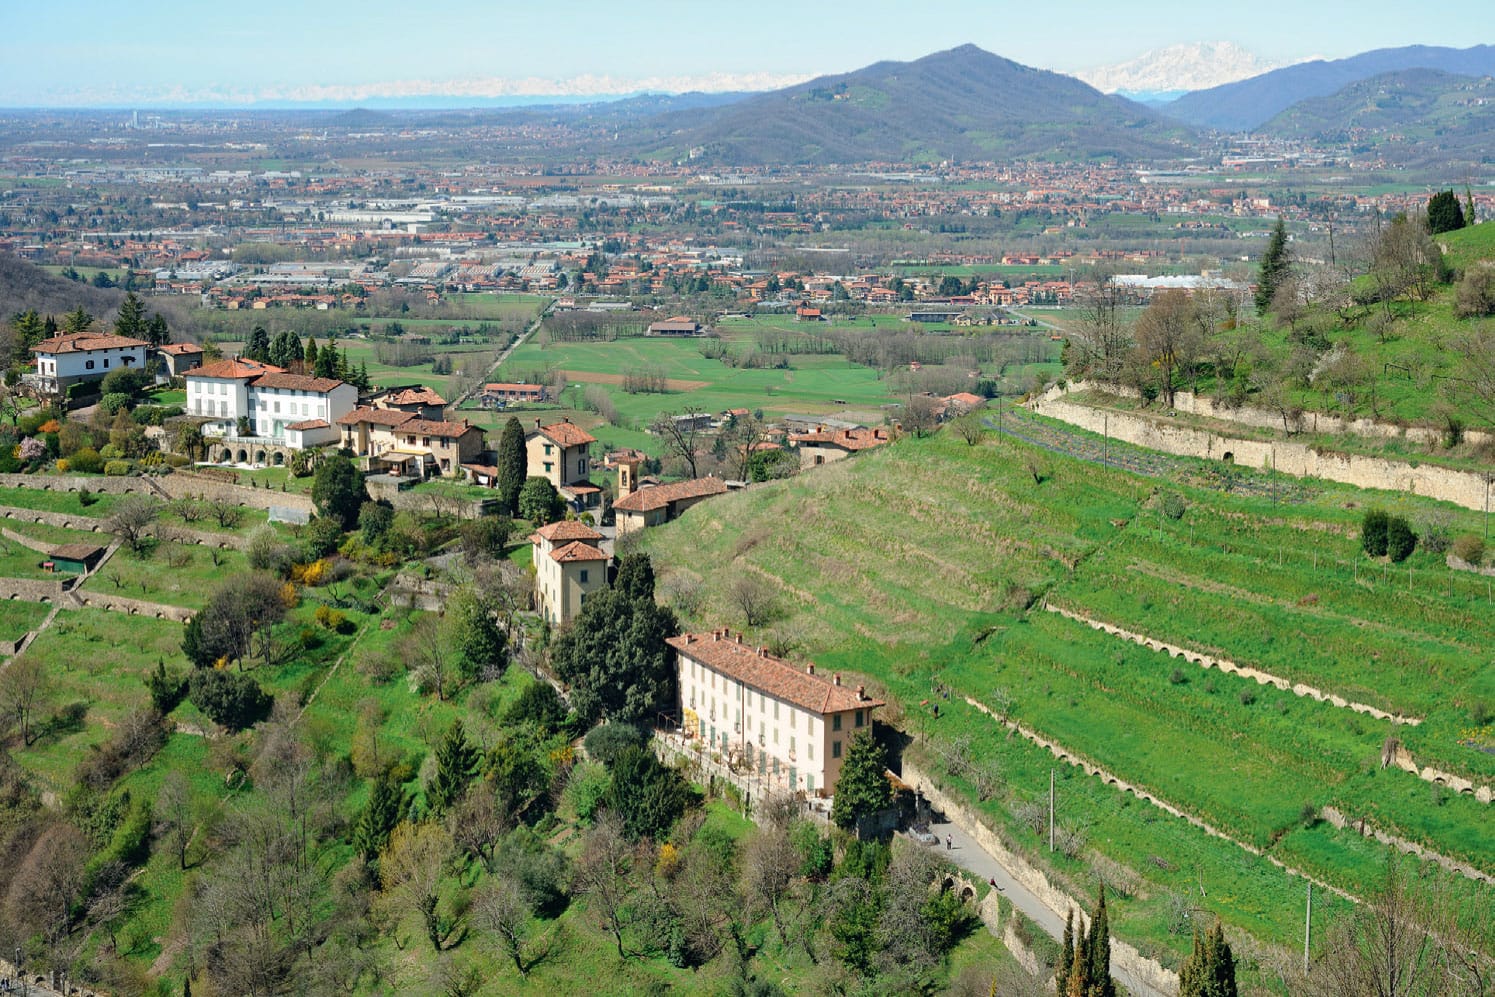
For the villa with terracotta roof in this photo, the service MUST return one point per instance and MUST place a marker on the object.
(417, 399)
(404, 443)
(790, 724)
(825, 445)
(569, 566)
(651, 506)
(561, 453)
(281, 409)
(76, 357)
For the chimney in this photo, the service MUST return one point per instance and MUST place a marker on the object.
(716, 635)
(810, 668)
(739, 636)
(836, 678)
(685, 638)
(537, 423)
(861, 692)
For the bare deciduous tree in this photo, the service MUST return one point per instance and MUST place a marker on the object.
(604, 876)
(682, 434)
(132, 518)
(24, 689)
(1168, 339)
(754, 597)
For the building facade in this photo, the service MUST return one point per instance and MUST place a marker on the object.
(404, 443)
(789, 724)
(76, 357)
(569, 566)
(562, 454)
(238, 395)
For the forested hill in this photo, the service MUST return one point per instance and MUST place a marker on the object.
(965, 103)
(1413, 117)
(25, 286)
(1249, 104)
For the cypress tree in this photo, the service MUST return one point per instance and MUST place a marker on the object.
(1098, 950)
(131, 319)
(513, 465)
(1061, 972)
(1444, 213)
(1210, 969)
(456, 763)
(1275, 266)
(259, 345)
(309, 355)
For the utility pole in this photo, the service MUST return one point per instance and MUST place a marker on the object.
(1307, 928)
(1105, 451)
(1051, 811)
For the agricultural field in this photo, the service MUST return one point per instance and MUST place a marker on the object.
(865, 585)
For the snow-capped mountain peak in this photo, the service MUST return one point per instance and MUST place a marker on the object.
(1177, 68)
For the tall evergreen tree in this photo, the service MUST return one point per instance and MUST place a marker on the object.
(77, 320)
(30, 328)
(258, 347)
(131, 320)
(1444, 213)
(513, 465)
(386, 807)
(327, 361)
(1098, 950)
(456, 764)
(1210, 969)
(862, 789)
(156, 331)
(1276, 265)
(310, 355)
(1061, 971)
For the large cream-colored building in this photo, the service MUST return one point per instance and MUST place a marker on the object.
(569, 566)
(562, 454)
(792, 725)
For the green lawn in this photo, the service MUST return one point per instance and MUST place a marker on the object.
(17, 617)
(172, 573)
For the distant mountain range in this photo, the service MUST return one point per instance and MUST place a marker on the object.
(1178, 69)
(965, 103)
(1412, 117)
(1249, 104)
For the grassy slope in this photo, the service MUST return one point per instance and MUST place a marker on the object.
(917, 561)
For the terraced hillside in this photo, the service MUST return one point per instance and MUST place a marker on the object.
(930, 567)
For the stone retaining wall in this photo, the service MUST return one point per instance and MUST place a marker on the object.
(1465, 488)
(1304, 422)
(190, 484)
(1369, 830)
(1149, 971)
(131, 607)
(162, 530)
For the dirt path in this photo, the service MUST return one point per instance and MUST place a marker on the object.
(592, 377)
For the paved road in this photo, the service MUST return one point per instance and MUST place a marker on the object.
(967, 854)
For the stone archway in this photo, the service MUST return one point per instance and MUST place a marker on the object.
(259, 458)
(242, 457)
(278, 458)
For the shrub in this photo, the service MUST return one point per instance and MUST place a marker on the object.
(1475, 294)
(232, 699)
(586, 789)
(1174, 506)
(1469, 547)
(111, 452)
(113, 402)
(1373, 532)
(1178, 677)
(332, 619)
(86, 498)
(117, 468)
(86, 461)
(607, 742)
(1400, 540)
(1248, 696)
(540, 705)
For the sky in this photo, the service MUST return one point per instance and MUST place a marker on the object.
(123, 53)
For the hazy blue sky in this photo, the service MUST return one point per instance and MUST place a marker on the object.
(120, 52)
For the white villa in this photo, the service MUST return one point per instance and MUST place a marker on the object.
(283, 409)
(74, 357)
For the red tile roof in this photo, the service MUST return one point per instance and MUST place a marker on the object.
(649, 499)
(179, 349)
(431, 427)
(415, 396)
(375, 416)
(577, 551)
(967, 399)
(82, 342)
(297, 382)
(310, 424)
(234, 370)
(846, 439)
(565, 434)
(566, 530)
(757, 669)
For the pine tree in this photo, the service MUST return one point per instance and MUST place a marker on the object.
(156, 331)
(862, 789)
(77, 320)
(1276, 264)
(1470, 218)
(456, 763)
(362, 381)
(309, 356)
(131, 320)
(386, 807)
(513, 465)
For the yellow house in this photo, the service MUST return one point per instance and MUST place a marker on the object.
(791, 725)
(561, 453)
(569, 566)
